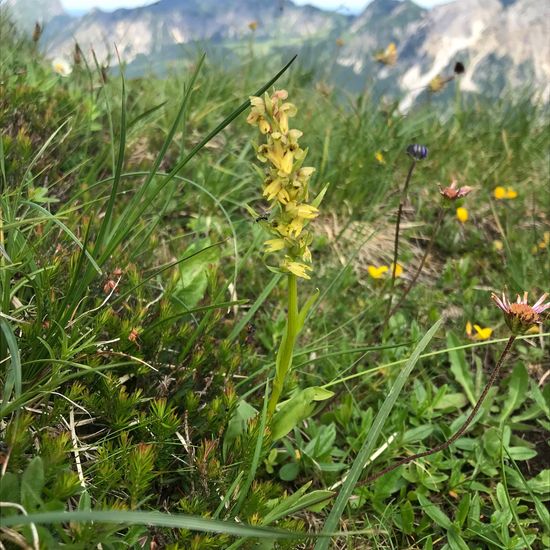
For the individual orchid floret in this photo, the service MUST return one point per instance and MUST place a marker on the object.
(519, 315)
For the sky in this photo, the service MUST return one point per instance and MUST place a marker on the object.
(347, 5)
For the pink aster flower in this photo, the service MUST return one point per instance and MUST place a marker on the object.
(520, 316)
(453, 192)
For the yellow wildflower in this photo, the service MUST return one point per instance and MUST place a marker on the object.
(497, 245)
(462, 214)
(480, 333)
(379, 157)
(398, 270)
(253, 25)
(377, 272)
(286, 181)
(504, 193)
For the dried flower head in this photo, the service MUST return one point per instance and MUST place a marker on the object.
(520, 316)
(453, 192)
(417, 152)
(37, 32)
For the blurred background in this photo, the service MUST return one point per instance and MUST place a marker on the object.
(402, 48)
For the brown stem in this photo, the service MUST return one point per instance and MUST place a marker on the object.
(422, 262)
(396, 241)
(463, 428)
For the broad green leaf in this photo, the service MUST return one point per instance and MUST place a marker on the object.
(455, 541)
(32, 483)
(289, 472)
(451, 401)
(518, 384)
(237, 424)
(463, 509)
(417, 434)
(521, 453)
(297, 408)
(193, 275)
(434, 512)
(459, 366)
(407, 517)
(9, 488)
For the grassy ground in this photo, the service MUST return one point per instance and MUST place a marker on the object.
(139, 324)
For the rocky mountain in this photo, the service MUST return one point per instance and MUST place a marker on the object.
(150, 29)
(502, 43)
(26, 13)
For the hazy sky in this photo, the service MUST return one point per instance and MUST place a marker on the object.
(351, 5)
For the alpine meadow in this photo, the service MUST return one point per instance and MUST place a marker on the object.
(244, 306)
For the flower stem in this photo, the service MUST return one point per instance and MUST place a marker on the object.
(422, 262)
(462, 429)
(396, 242)
(286, 349)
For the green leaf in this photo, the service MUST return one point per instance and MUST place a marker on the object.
(296, 409)
(459, 366)
(521, 453)
(84, 503)
(451, 401)
(9, 488)
(289, 472)
(407, 517)
(238, 423)
(417, 434)
(370, 441)
(434, 512)
(455, 541)
(193, 275)
(518, 384)
(463, 509)
(32, 483)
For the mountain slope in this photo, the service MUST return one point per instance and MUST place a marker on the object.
(502, 43)
(148, 30)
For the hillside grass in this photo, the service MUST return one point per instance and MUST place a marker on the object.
(139, 324)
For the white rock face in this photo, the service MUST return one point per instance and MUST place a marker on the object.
(483, 30)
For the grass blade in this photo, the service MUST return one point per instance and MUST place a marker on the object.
(179, 521)
(370, 441)
(13, 379)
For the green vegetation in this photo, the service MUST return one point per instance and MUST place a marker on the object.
(139, 325)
